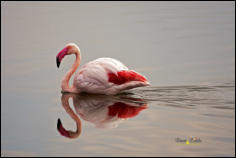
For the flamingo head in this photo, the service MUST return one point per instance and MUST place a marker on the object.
(66, 133)
(70, 48)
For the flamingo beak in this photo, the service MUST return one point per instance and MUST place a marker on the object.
(61, 129)
(58, 63)
(61, 55)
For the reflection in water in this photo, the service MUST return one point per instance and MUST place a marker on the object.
(103, 111)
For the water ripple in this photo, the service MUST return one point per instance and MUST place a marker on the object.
(218, 96)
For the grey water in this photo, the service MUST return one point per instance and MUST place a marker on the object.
(185, 49)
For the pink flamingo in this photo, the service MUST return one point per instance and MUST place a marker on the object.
(101, 76)
(101, 110)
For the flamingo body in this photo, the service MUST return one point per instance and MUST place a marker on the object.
(101, 76)
(101, 110)
(106, 76)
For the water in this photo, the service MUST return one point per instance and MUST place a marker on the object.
(185, 49)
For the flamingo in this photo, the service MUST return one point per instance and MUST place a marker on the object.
(101, 76)
(101, 110)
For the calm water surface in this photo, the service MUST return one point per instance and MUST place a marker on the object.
(185, 49)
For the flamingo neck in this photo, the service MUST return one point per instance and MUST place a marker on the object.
(65, 104)
(65, 82)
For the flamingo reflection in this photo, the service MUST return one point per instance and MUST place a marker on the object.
(103, 111)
